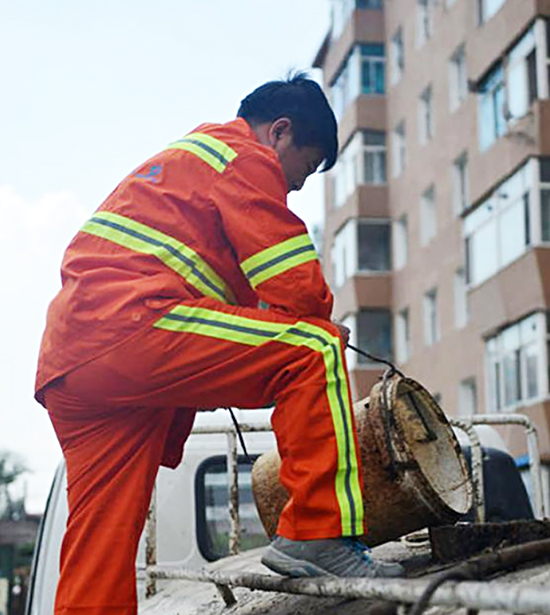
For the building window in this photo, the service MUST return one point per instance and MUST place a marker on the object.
(374, 245)
(397, 56)
(362, 73)
(458, 79)
(487, 8)
(508, 91)
(373, 69)
(492, 121)
(461, 299)
(516, 363)
(374, 334)
(342, 10)
(361, 245)
(344, 254)
(431, 318)
(500, 230)
(428, 216)
(402, 336)
(425, 116)
(362, 161)
(424, 21)
(401, 242)
(467, 397)
(374, 157)
(521, 76)
(460, 183)
(399, 147)
(544, 175)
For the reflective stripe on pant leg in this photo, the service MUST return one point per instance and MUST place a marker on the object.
(255, 332)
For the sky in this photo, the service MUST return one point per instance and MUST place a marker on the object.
(89, 90)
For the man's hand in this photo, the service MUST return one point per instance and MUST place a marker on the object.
(344, 332)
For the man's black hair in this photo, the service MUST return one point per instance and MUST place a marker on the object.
(301, 100)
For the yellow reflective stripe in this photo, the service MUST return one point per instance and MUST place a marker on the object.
(214, 152)
(239, 329)
(278, 258)
(226, 152)
(348, 476)
(289, 263)
(173, 253)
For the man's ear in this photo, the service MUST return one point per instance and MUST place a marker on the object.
(280, 132)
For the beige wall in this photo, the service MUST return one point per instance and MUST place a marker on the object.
(523, 286)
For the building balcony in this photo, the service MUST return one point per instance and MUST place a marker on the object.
(363, 290)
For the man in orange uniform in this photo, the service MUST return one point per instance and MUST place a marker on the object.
(158, 316)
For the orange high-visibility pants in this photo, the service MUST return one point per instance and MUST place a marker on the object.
(122, 415)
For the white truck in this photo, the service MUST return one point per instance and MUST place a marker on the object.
(189, 546)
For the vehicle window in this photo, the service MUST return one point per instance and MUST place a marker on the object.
(212, 509)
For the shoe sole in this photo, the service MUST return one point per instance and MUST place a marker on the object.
(290, 567)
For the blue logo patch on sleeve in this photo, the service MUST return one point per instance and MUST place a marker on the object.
(153, 174)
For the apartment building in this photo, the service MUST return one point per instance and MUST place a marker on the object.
(437, 214)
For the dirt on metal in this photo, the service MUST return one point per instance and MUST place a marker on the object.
(461, 541)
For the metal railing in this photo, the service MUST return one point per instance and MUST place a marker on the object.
(473, 595)
(233, 500)
(467, 425)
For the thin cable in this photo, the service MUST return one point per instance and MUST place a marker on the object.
(450, 575)
(376, 359)
(248, 458)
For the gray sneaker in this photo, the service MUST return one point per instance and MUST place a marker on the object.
(339, 557)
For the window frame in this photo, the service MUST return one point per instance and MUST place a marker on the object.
(424, 22)
(397, 56)
(348, 84)
(483, 15)
(458, 78)
(399, 149)
(428, 215)
(403, 349)
(491, 107)
(490, 214)
(431, 317)
(345, 253)
(362, 361)
(426, 124)
(461, 304)
(400, 242)
(496, 354)
(460, 183)
(203, 536)
(467, 390)
(350, 170)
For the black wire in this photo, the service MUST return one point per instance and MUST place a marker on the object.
(248, 458)
(367, 355)
(449, 575)
(376, 359)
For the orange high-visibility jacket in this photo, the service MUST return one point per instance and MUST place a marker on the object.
(206, 217)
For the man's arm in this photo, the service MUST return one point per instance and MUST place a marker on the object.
(272, 244)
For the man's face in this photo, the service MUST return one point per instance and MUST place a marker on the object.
(298, 164)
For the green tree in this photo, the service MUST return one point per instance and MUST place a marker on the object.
(11, 468)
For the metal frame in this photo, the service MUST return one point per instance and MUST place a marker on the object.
(467, 423)
(233, 487)
(472, 595)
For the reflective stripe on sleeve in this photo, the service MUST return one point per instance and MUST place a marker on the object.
(209, 149)
(173, 253)
(278, 258)
(252, 332)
